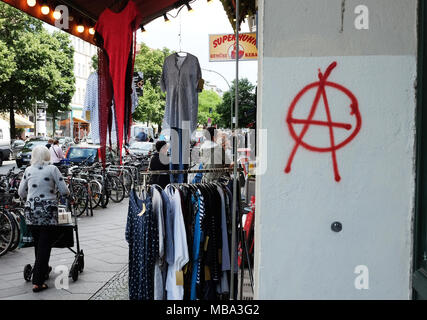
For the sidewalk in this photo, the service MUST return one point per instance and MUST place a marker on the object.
(102, 239)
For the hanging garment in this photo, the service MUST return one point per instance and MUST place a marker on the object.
(229, 207)
(189, 221)
(199, 207)
(118, 34)
(105, 96)
(142, 237)
(176, 291)
(169, 218)
(91, 105)
(223, 287)
(159, 267)
(180, 79)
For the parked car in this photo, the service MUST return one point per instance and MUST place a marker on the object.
(65, 142)
(141, 148)
(88, 153)
(4, 141)
(78, 154)
(23, 157)
(17, 147)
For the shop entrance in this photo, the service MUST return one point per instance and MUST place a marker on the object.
(420, 239)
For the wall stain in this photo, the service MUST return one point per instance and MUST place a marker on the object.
(342, 15)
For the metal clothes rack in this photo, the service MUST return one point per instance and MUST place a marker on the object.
(215, 170)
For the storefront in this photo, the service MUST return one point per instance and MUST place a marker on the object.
(80, 127)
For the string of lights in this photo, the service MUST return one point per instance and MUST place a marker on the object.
(88, 24)
(167, 14)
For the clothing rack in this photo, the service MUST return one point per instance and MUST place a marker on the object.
(215, 170)
(234, 207)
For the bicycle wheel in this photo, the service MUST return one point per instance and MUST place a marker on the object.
(95, 192)
(17, 231)
(115, 188)
(127, 180)
(7, 232)
(81, 199)
(105, 197)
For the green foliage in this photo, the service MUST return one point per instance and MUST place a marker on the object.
(44, 65)
(208, 103)
(7, 63)
(14, 22)
(150, 62)
(151, 106)
(247, 104)
(59, 96)
(95, 62)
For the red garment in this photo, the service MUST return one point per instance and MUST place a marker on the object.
(105, 96)
(117, 31)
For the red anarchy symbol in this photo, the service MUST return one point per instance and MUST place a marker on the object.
(321, 93)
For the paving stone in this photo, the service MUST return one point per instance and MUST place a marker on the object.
(115, 289)
(102, 267)
(84, 287)
(5, 284)
(10, 292)
(11, 276)
(96, 276)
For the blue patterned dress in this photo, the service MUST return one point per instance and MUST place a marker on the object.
(141, 231)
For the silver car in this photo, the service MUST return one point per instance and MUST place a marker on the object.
(142, 148)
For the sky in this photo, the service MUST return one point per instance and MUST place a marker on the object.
(206, 18)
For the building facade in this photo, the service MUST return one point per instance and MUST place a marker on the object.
(83, 54)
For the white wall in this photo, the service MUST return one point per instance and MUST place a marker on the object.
(298, 256)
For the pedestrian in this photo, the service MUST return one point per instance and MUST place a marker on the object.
(160, 161)
(56, 154)
(213, 156)
(49, 143)
(38, 187)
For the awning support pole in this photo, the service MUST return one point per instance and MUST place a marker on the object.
(236, 124)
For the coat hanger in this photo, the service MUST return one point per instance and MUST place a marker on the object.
(181, 53)
(120, 4)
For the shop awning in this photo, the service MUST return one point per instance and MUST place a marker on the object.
(20, 121)
(75, 120)
(89, 11)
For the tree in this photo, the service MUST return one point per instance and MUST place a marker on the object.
(13, 24)
(151, 106)
(7, 63)
(208, 103)
(44, 65)
(247, 104)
